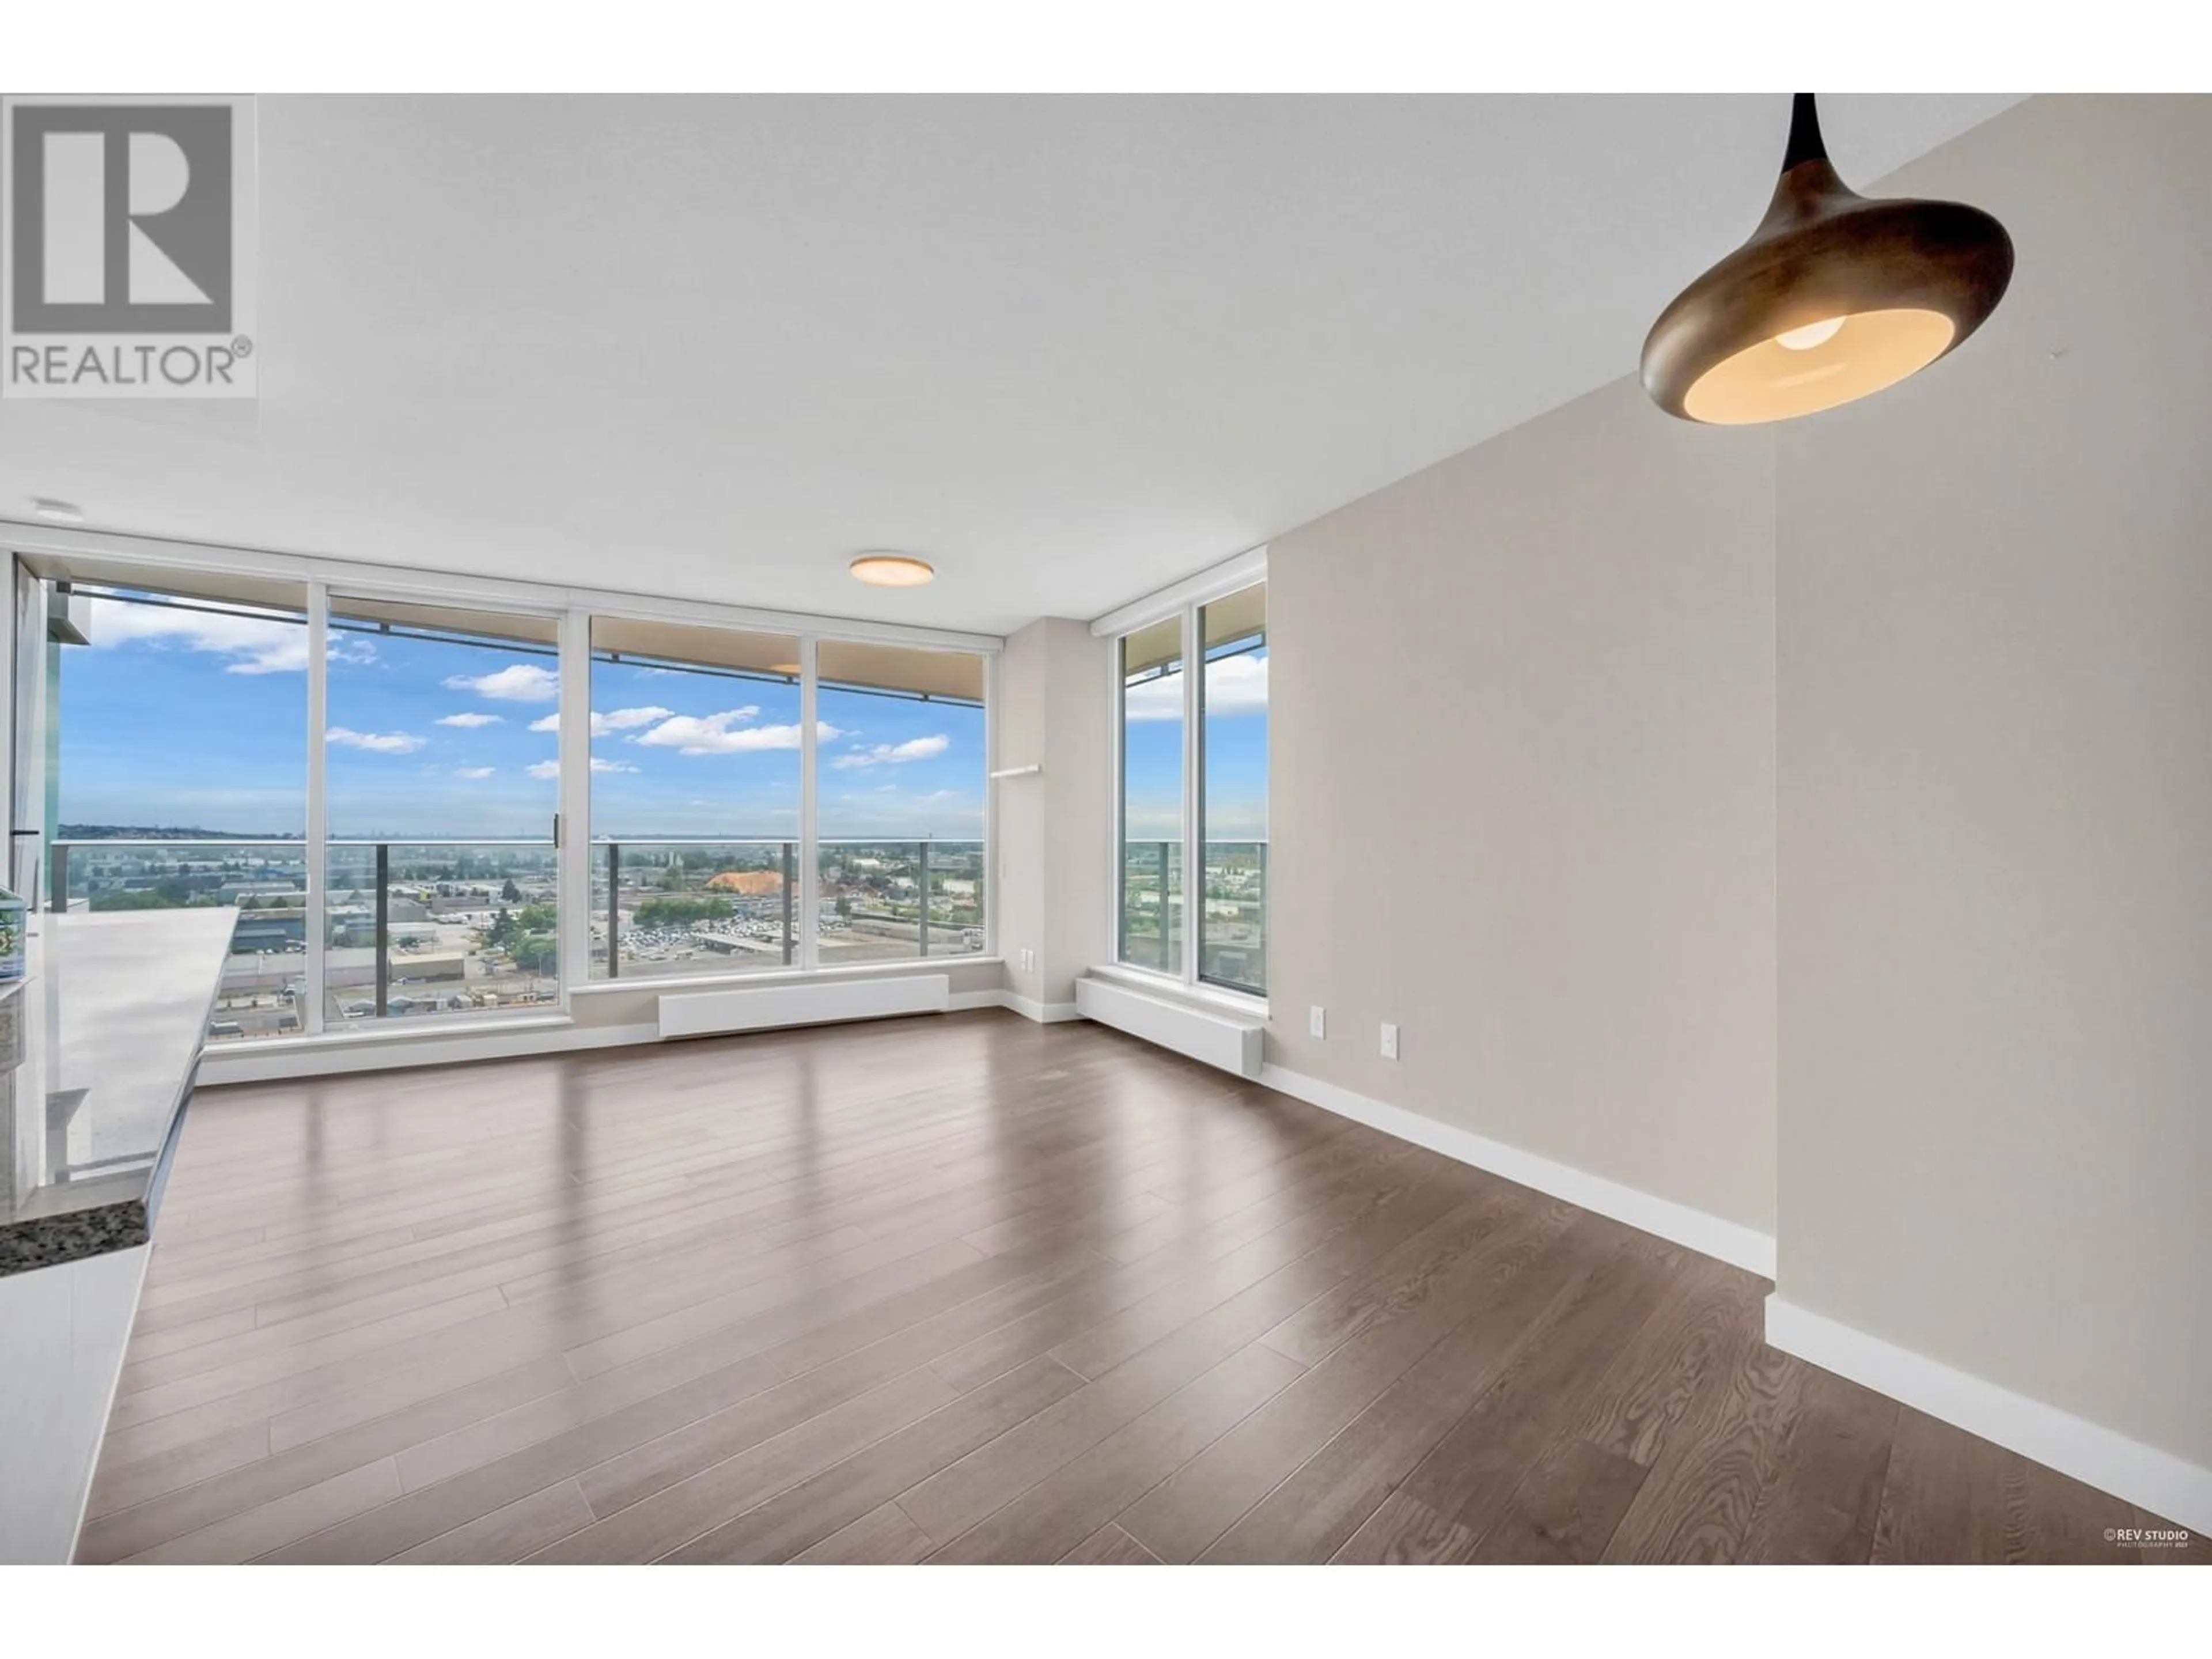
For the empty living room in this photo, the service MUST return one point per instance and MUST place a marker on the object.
(1185, 788)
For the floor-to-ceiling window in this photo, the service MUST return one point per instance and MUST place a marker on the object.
(696, 773)
(373, 781)
(1233, 791)
(901, 776)
(172, 726)
(443, 895)
(1191, 897)
(1152, 790)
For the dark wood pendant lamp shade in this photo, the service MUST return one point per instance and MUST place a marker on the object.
(1834, 297)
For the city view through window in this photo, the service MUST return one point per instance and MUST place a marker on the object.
(176, 748)
(711, 883)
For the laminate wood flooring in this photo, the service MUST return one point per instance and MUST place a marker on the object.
(963, 1289)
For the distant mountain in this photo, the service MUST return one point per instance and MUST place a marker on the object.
(157, 832)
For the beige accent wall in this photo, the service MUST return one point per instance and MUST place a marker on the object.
(1054, 828)
(1522, 798)
(1996, 831)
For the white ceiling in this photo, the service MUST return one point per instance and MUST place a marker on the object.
(1068, 348)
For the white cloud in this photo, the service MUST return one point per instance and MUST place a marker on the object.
(622, 719)
(520, 682)
(552, 769)
(894, 754)
(1234, 685)
(473, 771)
(376, 743)
(710, 734)
(471, 719)
(257, 642)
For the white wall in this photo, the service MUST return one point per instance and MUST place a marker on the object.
(1054, 828)
(1996, 829)
(1522, 798)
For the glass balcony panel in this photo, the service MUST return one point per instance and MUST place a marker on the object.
(265, 982)
(898, 901)
(440, 929)
(686, 908)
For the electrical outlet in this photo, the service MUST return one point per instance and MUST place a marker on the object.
(1389, 1041)
(1317, 1022)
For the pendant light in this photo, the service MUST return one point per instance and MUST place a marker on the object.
(1834, 297)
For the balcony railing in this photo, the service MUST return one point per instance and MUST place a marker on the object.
(411, 930)
(693, 907)
(419, 930)
(1231, 910)
(434, 929)
(718, 906)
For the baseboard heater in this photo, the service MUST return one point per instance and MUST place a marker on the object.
(761, 1007)
(1220, 1039)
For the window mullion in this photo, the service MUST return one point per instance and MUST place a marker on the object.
(315, 931)
(809, 855)
(1193, 773)
(573, 857)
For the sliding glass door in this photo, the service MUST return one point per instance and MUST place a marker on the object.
(696, 743)
(441, 780)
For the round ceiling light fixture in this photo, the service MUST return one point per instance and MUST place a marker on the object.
(893, 570)
(1835, 296)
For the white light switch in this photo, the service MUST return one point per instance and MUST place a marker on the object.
(1316, 1022)
(1389, 1041)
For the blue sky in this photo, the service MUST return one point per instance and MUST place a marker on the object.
(1236, 752)
(198, 720)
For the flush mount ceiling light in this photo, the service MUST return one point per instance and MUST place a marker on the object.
(893, 570)
(1834, 297)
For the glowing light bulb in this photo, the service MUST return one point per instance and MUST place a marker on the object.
(1813, 334)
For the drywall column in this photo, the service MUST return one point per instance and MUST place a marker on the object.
(1995, 624)
(1053, 711)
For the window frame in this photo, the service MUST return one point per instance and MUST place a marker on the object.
(1183, 602)
(49, 554)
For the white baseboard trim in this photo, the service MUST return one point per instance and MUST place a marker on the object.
(544, 1036)
(230, 1066)
(1708, 1235)
(2165, 1484)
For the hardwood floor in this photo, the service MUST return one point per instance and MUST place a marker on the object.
(963, 1289)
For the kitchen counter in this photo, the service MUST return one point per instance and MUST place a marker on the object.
(98, 1047)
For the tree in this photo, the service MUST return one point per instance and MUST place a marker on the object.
(141, 898)
(503, 931)
(681, 910)
(511, 893)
